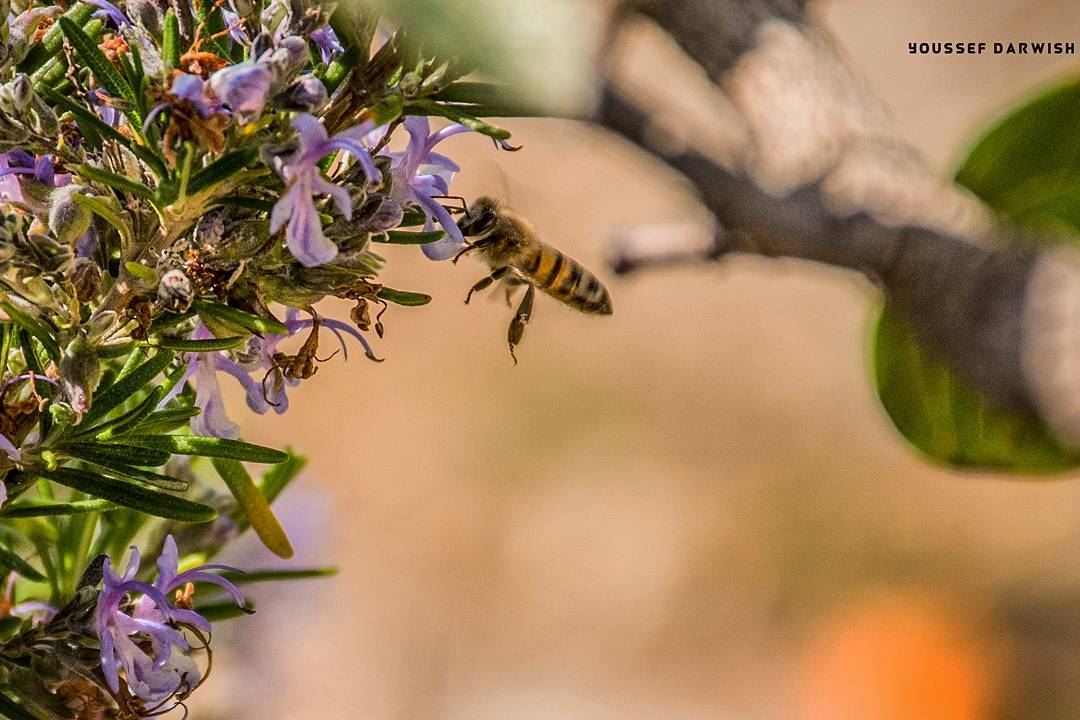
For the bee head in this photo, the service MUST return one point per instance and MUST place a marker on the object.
(481, 218)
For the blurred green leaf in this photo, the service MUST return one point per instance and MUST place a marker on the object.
(1026, 168)
(278, 477)
(254, 506)
(13, 711)
(399, 237)
(404, 297)
(455, 113)
(13, 561)
(258, 576)
(224, 610)
(1027, 165)
(947, 419)
(36, 508)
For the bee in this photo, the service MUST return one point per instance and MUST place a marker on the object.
(510, 245)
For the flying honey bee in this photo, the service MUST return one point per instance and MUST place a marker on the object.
(509, 244)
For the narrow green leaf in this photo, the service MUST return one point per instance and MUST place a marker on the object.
(13, 561)
(226, 610)
(101, 452)
(147, 477)
(340, 67)
(254, 506)
(387, 110)
(126, 421)
(165, 421)
(130, 495)
(224, 167)
(259, 576)
(169, 320)
(398, 237)
(34, 364)
(112, 180)
(47, 509)
(53, 40)
(197, 346)
(89, 118)
(430, 107)
(170, 46)
(104, 71)
(403, 297)
(142, 272)
(36, 328)
(232, 316)
(414, 216)
(115, 349)
(208, 447)
(124, 388)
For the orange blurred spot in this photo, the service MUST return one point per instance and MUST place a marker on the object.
(895, 658)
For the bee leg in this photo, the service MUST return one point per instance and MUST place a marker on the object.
(521, 319)
(496, 275)
(512, 285)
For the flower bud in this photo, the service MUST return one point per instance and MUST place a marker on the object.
(288, 59)
(410, 83)
(210, 229)
(86, 277)
(145, 13)
(306, 94)
(68, 220)
(380, 213)
(243, 8)
(243, 88)
(175, 292)
(80, 373)
(261, 45)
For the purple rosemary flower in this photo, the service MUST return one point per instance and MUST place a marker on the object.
(327, 41)
(36, 611)
(99, 101)
(243, 87)
(255, 370)
(29, 180)
(107, 9)
(144, 637)
(421, 175)
(213, 419)
(236, 29)
(8, 448)
(304, 179)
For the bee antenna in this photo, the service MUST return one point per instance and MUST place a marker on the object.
(464, 206)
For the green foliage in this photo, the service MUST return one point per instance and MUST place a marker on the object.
(1024, 168)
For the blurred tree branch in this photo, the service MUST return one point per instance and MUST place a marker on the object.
(818, 172)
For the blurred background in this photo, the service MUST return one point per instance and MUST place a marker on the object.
(692, 509)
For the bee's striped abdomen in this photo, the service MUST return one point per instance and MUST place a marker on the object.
(567, 280)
